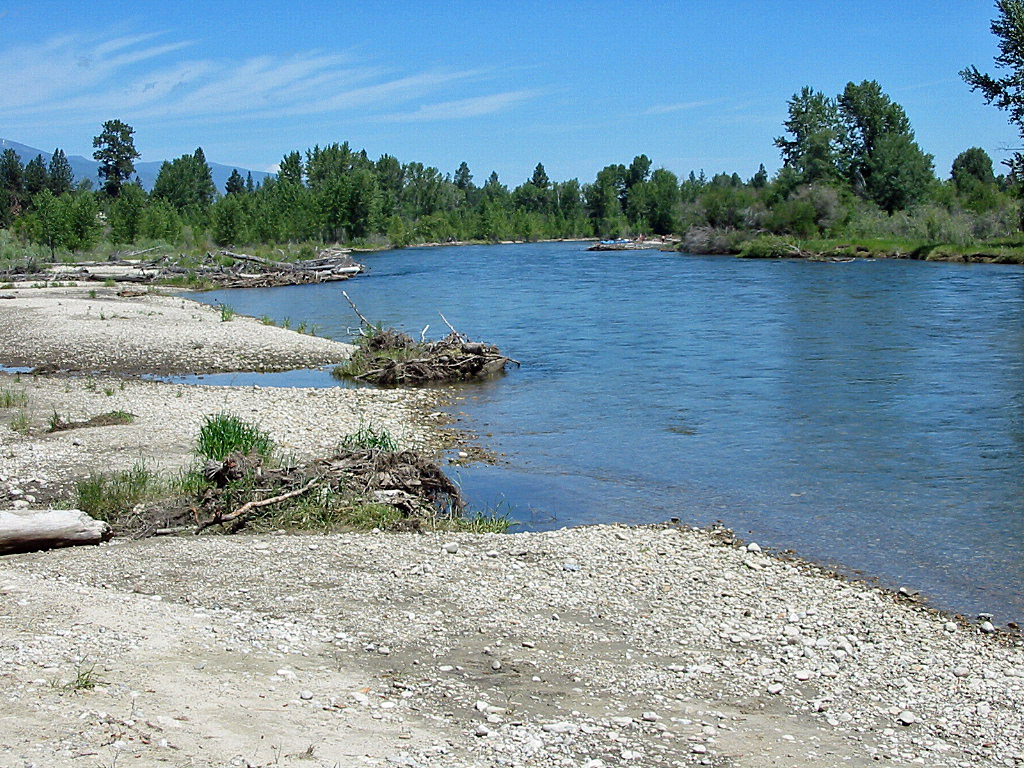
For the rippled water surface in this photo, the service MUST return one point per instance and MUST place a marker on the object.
(868, 415)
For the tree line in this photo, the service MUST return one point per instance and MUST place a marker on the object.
(851, 167)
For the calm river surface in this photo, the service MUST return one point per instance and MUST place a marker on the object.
(868, 415)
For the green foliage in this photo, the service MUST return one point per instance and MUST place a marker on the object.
(369, 437)
(227, 313)
(1007, 92)
(116, 153)
(13, 398)
(187, 184)
(60, 175)
(126, 214)
(110, 496)
(224, 433)
(768, 247)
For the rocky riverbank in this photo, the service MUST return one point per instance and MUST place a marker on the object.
(591, 647)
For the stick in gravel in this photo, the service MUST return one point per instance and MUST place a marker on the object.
(251, 505)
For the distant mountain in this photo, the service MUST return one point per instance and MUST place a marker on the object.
(86, 168)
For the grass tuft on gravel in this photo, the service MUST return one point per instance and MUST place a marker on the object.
(224, 433)
(111, 496)
(368, 437)
(13, 398)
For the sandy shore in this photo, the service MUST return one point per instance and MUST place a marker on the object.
(590, 647)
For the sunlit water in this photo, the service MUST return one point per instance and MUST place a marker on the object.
(868, 415)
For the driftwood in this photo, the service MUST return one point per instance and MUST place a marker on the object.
(388, 357)
(405, 480)
(331, 264)
(31, 530)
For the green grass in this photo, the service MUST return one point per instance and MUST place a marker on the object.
(223, 433)
(85, 679)
(13, 398)
(20, 422)
(110, 496)
(369, 437)
(227, 313)
(478, 522)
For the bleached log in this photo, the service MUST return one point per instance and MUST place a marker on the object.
(27, 530)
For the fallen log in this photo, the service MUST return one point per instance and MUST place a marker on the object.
(31, 530)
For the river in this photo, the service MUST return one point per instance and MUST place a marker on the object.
(868, 415)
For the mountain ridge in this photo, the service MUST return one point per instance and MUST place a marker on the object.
(86, 168)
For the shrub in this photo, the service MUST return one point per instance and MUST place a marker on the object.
(767, 247)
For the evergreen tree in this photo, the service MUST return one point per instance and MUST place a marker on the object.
(250, 187)
(291, 169)
(463, 178)
(36, 177)
(62, 178)
(12, 186)
(116, 153)
(760, 179)
(540, 177)
(1007, 93)
(235, 184)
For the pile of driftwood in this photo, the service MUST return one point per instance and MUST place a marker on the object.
(244, 271)
(405, 480)
(388, 357)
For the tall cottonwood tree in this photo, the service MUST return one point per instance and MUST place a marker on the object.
(116, 153)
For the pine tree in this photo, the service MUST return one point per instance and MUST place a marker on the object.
(116, 153)
(36, 177)
(235, 185)
(62, 178)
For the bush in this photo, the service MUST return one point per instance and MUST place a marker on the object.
(223, 434)
(767, 247)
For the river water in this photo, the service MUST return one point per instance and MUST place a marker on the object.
(867, 415)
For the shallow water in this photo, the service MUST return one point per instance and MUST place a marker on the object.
(869, 415)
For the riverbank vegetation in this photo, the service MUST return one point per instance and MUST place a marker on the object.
(853, 179)
(240, 479)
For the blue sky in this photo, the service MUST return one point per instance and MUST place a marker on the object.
(694, 85)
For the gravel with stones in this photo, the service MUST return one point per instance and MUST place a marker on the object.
(657, 647)
(66, 328)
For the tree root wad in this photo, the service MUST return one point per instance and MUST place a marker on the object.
(405, 480)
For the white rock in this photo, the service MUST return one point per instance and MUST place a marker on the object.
(906, 717)
(451, 547)
(775, 689)
(987, 627)
(753, 547)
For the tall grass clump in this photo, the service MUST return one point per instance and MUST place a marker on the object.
(223, 433)
(13, 398)
(369, 437)
(110, 496)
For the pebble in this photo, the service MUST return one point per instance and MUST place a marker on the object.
(906, 717)
(651, 717)
(753, 547)
(949, 626)
(495, 665)
(775, 689)
(987, 627)
(451, 547)
(305, 695)
(699, 749)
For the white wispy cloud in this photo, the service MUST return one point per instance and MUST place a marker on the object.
(680, 106)
(463, 108)
(84, 79)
